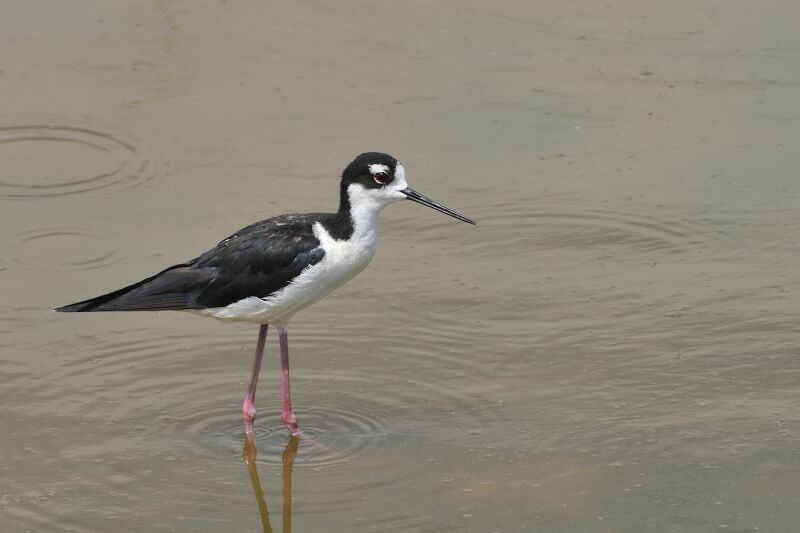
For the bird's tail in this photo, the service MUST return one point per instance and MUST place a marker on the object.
(104, 302)
(166, 290)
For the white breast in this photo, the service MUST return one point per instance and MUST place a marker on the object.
(342, 261)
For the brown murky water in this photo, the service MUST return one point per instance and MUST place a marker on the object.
(613, 348)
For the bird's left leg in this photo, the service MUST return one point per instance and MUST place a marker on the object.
(249, 405)
(287, 415)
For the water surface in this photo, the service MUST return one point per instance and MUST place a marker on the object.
(612, 348)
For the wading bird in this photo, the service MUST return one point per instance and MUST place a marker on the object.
(270, 270)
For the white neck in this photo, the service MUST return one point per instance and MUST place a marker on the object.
(365, 209)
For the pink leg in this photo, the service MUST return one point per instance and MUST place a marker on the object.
(287, 415)
(249, 405)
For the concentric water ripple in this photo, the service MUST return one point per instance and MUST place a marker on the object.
(62, 248)
(345, 414)
(339, 430)
(187, 387)
(429, 344)
(54, 160)
(553, 226)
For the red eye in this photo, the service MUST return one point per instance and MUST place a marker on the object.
(382, 177)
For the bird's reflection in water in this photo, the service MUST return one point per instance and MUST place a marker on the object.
(289, 453)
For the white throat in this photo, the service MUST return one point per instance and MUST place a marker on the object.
(364, 209)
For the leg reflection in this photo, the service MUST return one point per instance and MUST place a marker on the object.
(289, 453)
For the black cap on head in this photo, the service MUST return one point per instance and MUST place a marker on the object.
(362, 170)
(360, 165)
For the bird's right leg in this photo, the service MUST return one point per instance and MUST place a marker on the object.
(249, 405)
(287, 414)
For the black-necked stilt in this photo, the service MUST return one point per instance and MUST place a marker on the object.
(267, 272)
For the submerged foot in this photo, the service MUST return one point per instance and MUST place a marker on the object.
(249, 417)
(291, 424)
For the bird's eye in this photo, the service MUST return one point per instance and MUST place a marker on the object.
(382, 177)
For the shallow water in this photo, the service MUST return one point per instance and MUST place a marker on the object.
(612, 348)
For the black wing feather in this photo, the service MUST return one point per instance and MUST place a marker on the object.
(255, 261)
(169, 289)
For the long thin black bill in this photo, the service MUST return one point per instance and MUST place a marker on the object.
(411, 194)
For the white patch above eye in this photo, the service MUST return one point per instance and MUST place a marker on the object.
(378, 167)
(400, 173)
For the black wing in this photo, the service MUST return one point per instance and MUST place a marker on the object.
(255, 261)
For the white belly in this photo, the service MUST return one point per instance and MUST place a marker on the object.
(342, 261)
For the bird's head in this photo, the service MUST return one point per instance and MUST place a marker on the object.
(373, 180)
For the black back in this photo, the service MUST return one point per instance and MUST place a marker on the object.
(255, 261)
